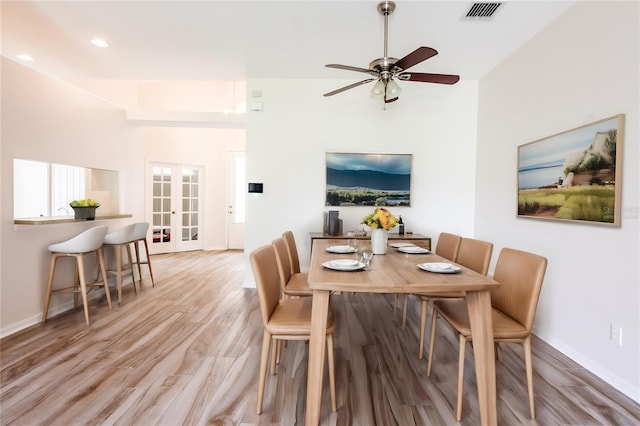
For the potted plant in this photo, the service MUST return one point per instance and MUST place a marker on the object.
(84, 209)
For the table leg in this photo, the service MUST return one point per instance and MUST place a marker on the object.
(479, 306)
(319, 314)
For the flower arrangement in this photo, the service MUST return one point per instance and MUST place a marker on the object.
(381, 218)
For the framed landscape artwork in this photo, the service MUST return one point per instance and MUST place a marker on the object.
(573, 176)
(368, 179)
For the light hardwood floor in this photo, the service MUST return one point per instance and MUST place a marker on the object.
(187, 352)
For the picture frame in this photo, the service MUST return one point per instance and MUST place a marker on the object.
(366, 179)
(573, 176)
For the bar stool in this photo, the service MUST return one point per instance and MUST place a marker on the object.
(89, 241)
(118, 240)
(140, 234)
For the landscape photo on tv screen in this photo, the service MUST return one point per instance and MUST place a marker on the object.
(368, 179)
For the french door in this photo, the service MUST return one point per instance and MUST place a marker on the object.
(174, 207)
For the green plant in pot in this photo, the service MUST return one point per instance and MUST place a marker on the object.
(85, 209)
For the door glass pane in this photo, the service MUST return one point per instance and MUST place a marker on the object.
(189, 204)
(161, 205)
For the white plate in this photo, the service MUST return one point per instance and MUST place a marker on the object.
(413, 250)
(343, 265)
(341, 249)
(441, 268)
(398, 245)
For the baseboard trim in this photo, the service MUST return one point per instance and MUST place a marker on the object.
(598, 369)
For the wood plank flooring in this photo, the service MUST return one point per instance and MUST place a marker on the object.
(187, 352)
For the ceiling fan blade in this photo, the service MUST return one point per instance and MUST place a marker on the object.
(429, 78)
(420, 54)
(348, 68)
(351, 86)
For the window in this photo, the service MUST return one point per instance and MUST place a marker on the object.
(46, 189)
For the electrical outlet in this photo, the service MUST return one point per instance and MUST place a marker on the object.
(616, 334)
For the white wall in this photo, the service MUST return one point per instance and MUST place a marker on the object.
(582, 68)
(287, 142)
(49, 120)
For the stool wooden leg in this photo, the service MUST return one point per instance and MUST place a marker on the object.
(117, 251)
(146, 248)
(83, 285)
(136, 246)
(76, 287)
(105, 281)
(47, 298)
(133, 275)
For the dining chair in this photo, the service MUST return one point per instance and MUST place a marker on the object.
(288, 319)
(89, 241)
(473, 254)
(448, 247)
(292, 285)
(513, 308)
(292, 250)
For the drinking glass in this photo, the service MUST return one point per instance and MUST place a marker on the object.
(366, 258)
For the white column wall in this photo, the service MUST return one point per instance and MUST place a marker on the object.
(582, 68)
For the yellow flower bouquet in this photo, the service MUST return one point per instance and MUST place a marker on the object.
(381, 218)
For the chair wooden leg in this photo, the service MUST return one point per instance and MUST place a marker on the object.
(105, 281)
(278, 350)
(404, 310)
(83, 286)
(423, 326)
(266, 343)
(463, 344)
(526, 344)
(274, 356)
(432, 339)
(47, 297)
(395, 304)
(332, 372)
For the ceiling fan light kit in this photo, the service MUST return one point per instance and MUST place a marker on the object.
(386, 70)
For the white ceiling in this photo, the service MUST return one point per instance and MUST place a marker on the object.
(236, 40)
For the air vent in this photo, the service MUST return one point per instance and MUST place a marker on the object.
(482, 10)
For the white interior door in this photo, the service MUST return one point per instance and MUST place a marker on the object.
(174, 207)
(236, 197)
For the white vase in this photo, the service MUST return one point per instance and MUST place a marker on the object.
(379, 241)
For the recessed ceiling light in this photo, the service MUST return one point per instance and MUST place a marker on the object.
(99, 42)
(25, 57)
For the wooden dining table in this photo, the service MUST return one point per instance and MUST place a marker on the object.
(397, 272)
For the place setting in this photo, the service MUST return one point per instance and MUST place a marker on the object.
(439, 267)
(410, 248)
(360, 263)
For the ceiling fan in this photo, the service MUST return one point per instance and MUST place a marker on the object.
(386, 69)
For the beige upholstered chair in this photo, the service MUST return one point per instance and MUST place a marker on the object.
(473, 254)
(283, 319)
(139, 235)
(447, 247)
(89, 241)
(514, 305)
(292, 249)
(292, 285)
